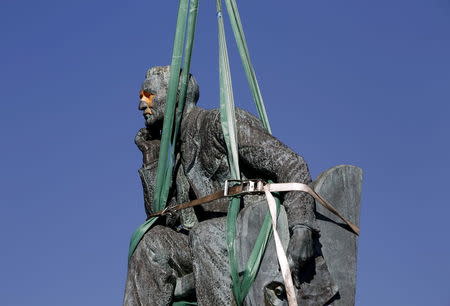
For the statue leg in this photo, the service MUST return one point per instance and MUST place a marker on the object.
(161, 256)
(210, 262)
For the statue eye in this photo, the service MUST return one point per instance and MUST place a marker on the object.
(145, 93)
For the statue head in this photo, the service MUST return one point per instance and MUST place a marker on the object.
(153, 94)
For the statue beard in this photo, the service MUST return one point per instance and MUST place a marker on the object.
(155, 119)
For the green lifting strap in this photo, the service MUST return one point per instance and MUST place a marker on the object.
(172, 120)
(183, 303)
(165, 162)
(240, 285)
(171, 127)
(228, 121)
(238, 31)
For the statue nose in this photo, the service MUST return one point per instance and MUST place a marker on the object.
(142, 105)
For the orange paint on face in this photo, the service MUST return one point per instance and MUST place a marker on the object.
(148, 99)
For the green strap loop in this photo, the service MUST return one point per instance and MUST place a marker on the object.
(183, 303)
(138, 234)
(193, 11)
(245, 57)
(228, 122)
(165, 162)
(172, 119)
(227, 113)
(240, 285)
(172, 123)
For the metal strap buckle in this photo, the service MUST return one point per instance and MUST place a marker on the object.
(247, 187)
(167, 211)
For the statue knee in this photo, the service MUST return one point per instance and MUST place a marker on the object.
(202, 235)
(154, 245)
(209, 237)
(197, 236)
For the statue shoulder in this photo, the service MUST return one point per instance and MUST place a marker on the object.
(207, 127)
(243, 118)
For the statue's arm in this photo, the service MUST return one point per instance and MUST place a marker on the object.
(266, 156)
(150, 151)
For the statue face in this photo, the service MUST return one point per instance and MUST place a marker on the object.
(146, 105)
(153, 95)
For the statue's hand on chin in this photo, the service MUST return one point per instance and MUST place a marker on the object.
(300, 251)
(148, 145)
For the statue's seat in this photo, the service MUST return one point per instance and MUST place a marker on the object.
(341, 186)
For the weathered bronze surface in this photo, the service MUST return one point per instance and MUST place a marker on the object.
(188, 248)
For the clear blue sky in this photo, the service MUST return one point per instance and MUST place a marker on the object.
(345, 82)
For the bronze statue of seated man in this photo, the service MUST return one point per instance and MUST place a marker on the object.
(190, 245)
